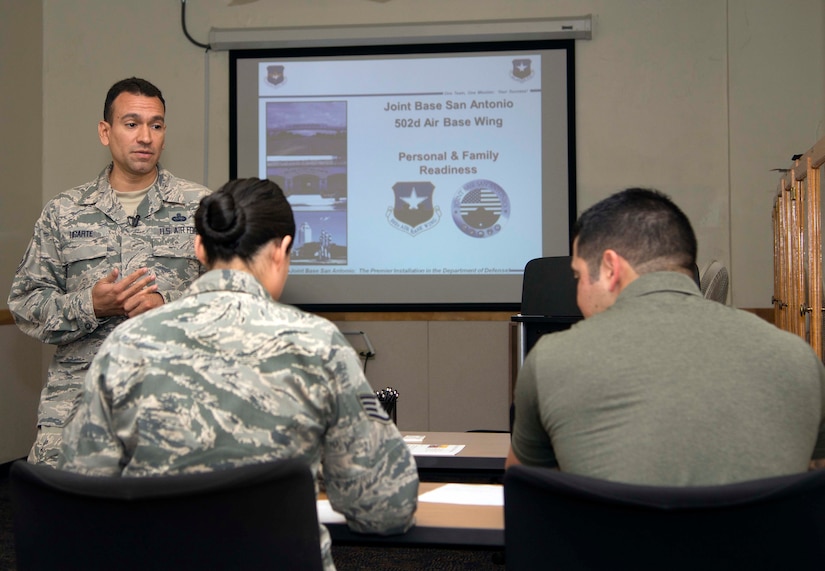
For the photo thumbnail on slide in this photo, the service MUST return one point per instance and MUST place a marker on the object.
(306, 154)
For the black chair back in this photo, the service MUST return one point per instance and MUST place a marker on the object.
(555, 520)
(261, 516)
(549, 288)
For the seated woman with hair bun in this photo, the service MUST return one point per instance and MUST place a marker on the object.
(227, 376)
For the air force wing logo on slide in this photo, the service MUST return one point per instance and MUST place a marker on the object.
(275, 74)
(480, 208)
(522, 69)
(413, 211)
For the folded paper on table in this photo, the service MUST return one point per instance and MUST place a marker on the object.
(435, 449)
(467, 494)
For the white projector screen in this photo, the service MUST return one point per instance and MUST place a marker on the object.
(422, 177)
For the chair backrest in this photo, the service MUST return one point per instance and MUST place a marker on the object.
(563, 521)
(261, 516)
(549, 288)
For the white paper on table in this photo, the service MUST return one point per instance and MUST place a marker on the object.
(466, 494)
(414, 438)
(435, 449)
(328, 515)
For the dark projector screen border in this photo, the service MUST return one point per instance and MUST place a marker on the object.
(423, 177)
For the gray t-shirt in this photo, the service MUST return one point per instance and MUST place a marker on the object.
(667, 388)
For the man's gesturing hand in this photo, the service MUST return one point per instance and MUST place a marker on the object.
(133, 295)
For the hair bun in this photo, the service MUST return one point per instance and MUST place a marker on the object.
(224, 223)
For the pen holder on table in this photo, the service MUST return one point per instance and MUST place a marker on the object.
(388, 397)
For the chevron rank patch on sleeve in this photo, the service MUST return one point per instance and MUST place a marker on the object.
(373, 408)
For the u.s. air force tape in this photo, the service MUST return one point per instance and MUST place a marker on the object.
(373, 408)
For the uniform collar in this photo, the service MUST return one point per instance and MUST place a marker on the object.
(228, 280)
(101, 194)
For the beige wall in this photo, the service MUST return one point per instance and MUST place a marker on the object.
(450, 375)
(21, 109)
(21, 75)
(776, 109)
(699, 98)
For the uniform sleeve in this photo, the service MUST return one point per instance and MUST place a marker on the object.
(90, 442)
(39, 302)
(530, 442)
(172, 294)
(369, 473)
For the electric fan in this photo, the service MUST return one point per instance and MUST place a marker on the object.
(714, 282)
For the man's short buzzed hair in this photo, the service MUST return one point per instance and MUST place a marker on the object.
(643, 226)
(133, 85)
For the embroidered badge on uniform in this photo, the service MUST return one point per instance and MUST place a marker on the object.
(373, 408)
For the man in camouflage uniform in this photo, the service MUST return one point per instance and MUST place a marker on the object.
(105, 251)
(225, 377)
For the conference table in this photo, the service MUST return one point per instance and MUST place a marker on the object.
(464, 486)
(481, 460)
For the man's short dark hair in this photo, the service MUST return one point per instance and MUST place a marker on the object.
(643, 226)
(133, 85)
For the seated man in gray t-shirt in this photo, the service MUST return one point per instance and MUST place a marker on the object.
(659, 385)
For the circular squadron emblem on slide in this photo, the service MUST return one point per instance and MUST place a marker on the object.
(480, 208)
